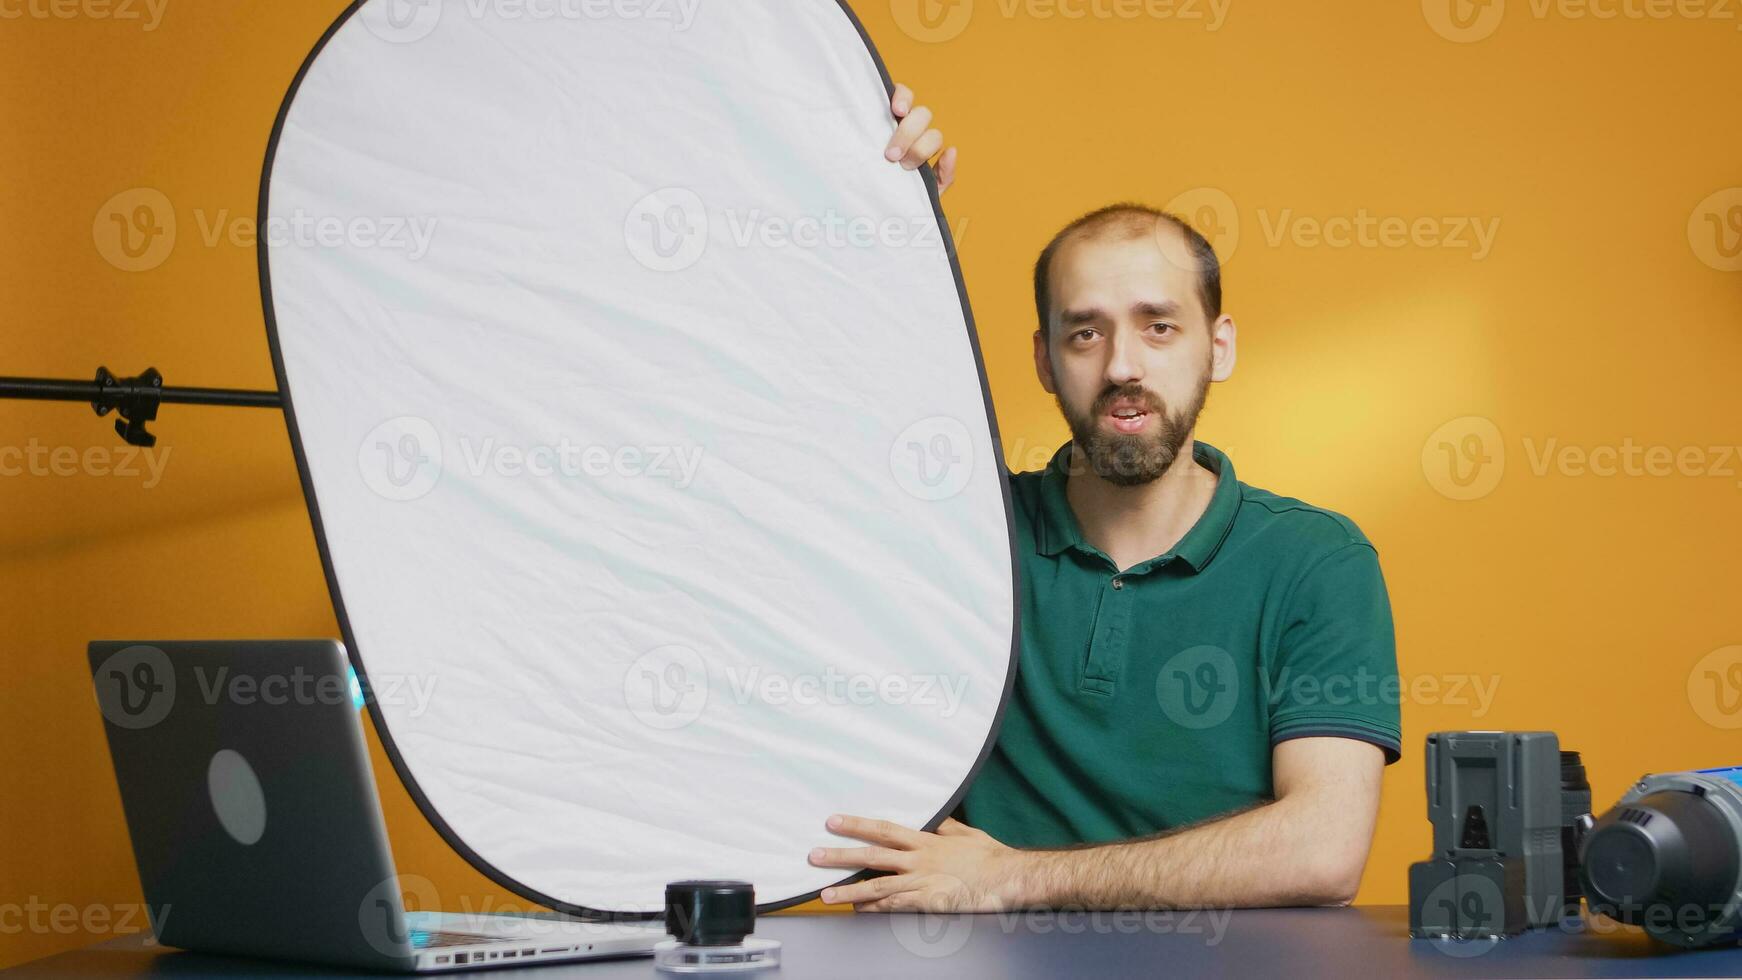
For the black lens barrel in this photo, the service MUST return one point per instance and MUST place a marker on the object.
(710, 913)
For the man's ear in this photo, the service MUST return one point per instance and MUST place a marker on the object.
(1043, 363)
(1222, 348)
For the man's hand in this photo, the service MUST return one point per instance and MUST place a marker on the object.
(915, 141)
(1306, 847)
(957, 869)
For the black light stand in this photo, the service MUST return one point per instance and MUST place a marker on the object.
(135, 400)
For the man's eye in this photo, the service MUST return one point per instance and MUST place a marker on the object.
(1083, 335)
(1161, 327)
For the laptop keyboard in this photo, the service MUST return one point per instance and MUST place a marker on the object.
(436, 940)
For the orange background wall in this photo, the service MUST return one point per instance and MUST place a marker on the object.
(1605, 312)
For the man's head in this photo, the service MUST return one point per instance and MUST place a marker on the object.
(1131, 335)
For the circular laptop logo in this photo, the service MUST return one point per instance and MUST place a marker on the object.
(237, 798)
(135, 687)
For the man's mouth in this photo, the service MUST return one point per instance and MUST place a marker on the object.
(1128, 419)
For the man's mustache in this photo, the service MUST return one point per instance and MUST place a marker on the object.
(1132, 392)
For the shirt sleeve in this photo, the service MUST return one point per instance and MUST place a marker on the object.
(1335, 672)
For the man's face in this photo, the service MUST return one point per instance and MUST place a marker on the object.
(1131, 353)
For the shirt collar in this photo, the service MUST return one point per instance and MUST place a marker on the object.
(1059, 530)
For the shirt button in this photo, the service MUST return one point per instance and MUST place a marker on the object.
(1118, 584)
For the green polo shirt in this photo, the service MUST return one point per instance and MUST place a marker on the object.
(1151, 698)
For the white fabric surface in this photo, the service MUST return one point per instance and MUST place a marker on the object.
(604, 672)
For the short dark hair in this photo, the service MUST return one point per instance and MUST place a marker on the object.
(1133, 219)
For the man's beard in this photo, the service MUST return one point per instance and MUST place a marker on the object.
(1135, 459)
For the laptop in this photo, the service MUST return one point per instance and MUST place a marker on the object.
(251, 804)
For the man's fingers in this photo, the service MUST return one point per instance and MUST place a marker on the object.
(909, 130)
(951, 827)
(874, 831)
(923, 149)
(925, 893)
(900, 902)
(901, 101)
(881, 858)
(868, 891)
(946, 177)
(877, 906)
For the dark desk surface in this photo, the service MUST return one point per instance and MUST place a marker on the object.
(1368, 941)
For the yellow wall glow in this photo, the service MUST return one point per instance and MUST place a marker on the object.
(1565, 292)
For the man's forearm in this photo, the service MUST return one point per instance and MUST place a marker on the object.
(1290, 852)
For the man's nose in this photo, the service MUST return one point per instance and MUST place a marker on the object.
(1124, 360)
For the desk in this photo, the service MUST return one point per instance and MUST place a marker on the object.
(1368, 941)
